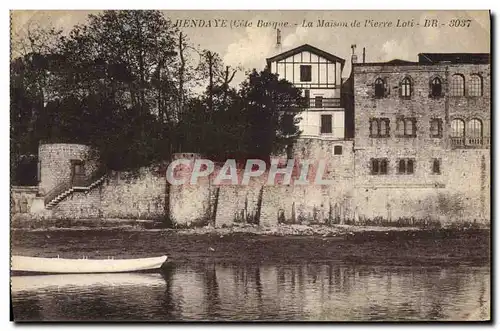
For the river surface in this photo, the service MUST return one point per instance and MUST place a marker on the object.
(218, 291)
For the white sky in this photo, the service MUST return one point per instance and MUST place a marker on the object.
(249, 47)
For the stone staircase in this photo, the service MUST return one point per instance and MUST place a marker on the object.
(66, 189)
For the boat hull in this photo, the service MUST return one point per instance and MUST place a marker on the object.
(40, 265)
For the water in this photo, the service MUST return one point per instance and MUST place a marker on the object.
(307, 291)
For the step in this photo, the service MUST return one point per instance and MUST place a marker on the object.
(63, 195)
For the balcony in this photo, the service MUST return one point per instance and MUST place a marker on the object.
(470, 142)
(320, 102)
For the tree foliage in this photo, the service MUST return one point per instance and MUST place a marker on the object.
(123, 82)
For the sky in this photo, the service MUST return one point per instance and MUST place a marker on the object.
(248, 47)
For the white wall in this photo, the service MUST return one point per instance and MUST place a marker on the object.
(322, 71)
(325, 82)
(325, 93)
(311, 123)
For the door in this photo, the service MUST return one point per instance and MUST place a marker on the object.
(77, 172)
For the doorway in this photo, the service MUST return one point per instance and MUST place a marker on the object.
(77, 172)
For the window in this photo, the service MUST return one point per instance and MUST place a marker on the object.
(326, 123)
(305, 73)
(402, 166)
(378, 166)
(318, 102)
(379, 88)
(474, 132)
(337, 150)
(475, 128)
(405, 166)
(475, 86)
(457, 132)
(406, 87)
(436, 128)
(406, 127)
(436, 87)
(457, 128)
(436, 166)
(457, 86)
(77, 167)
(379, 127)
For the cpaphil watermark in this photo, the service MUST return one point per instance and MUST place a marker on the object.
(291, 172)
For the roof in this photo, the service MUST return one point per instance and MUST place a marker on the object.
(466, 58)
(303, 48)
(399, 62)
(436, 58)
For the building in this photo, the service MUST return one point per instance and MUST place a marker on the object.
(319, 75)
(422, 136)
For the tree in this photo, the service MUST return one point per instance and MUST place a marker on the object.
(272, 108)
(122, 82)
(256, 121)
(30, 83)
(122, 63)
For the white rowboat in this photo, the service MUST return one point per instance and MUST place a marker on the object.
(80, 266)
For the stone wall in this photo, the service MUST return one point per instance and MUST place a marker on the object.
(55, 163)
(127, 195)
(21, 198)
(79, 205)
(190, 204)
(138, 195)
(238, 203)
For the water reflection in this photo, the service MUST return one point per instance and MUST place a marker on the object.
(267, 292)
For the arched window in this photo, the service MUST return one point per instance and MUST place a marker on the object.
(475, 86)
(457, 128)
(436, 87)
(458, 133)
(475, 128)
(406, 87)
(457, 86)
(379, 88)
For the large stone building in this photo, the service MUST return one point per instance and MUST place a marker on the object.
(422, 136)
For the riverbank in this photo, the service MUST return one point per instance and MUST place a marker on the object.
(345, 244)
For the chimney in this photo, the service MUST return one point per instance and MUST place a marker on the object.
(364, 55)
(354, 57)
(278, 39)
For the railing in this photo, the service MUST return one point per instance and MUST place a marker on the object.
(60, 188)
(474, 141)
(471, 142)
(321, 102)
(79, 181)
(85, 182)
